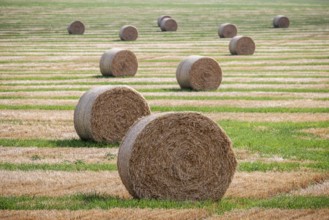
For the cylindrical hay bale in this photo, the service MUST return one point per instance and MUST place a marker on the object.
(162, 17)
(168, 24)
(240, 45)
(76, 27)
(227, 30)
(105, 113)
(199, 73)
(281, 21)
(128, 33)
(176, 156)
(118, 62)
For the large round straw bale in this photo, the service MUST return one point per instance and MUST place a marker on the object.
(105, 113)
(162, 17)
(199, 73)
(176, 156)
(240, 45)
(227, 30)
(128, 33)
(76, 27)
(168, 24)
(281, 21)
(118, 62)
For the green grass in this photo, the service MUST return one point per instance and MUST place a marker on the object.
(170, 97)
(176, 89)
(95, 200)
(72, 167)
(204, 109)
(236, 109)
(264, 167)
(283, 139)
(53, 143)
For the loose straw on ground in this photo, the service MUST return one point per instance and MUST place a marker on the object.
(227, 30)
(128, 33)
(76, 27)
(199, 73)
(176, 156)
(118, 62)
(105, 113)
(281, 21)
(240, 45)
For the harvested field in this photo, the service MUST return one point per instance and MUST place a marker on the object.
(115, 214)
(258, 213)
(58, 183)
(274, 105)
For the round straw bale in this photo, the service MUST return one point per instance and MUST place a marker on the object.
(199, 73)
(227, 30)
(128, 33)
(105, 113)
(240, 45)
(281, 21)
(176, 156)
(118, 62)
(76, 27)
(162, 17)
(168, 24)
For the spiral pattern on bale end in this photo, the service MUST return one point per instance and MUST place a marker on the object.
(105, 113)
(160, 19)
(176, 156)
(128, 33)
(281, 21)
(76, 27)
(227, 30)
(199, 73)
(168, 24)
(118, 62)
(240, 45)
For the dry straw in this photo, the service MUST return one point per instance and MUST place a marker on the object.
(176, 156)
(76, 27)
(162, 17)
(168, 24)
(240, 45)
(118, 62)
(199, 73)
(128, 33)
(281, 21)
(105, 113)
(227, 30)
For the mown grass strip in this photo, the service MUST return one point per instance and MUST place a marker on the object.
(171, 97)
(235, 109)
(264, 167)
(81, 166)
(95, 200)
(53, 143)
(174, 89)
(280, 139)
(205, 109)
(72, 167)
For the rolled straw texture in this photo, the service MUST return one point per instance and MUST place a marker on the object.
(162, 17)
(240, 45)
(281, 21)
(76, 27)
(168, 24)
(176, 156)
(227, 30)
(118, 62)
(128, 33)
(105, 113)
(199, 73)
